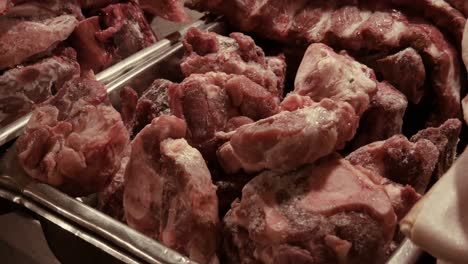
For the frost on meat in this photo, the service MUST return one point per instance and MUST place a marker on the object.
(236, 54)
(317, 214)
(399, 160)
(288, 140)
(21, 39)
(357, 28)
(445, 137)
(172, 10)
(405, 70)
(208, 101)
(75, 140)
(110, 199)
(168, 192)
(153, 102)
(23, 87)
(325, 74)
(121, 31)
(384, 118)
(41, 8)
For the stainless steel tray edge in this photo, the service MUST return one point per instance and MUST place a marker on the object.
(66, 225)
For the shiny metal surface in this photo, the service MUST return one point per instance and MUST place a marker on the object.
(84, 221)
(68, 226)
(407, 253)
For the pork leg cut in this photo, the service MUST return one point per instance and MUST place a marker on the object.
(208, 101)
(404, 70)
(23, 87)
(320, 213)
(21, 39)
(236, 54)
(445, 137)
(326, 74)
(75, 140)
(288, 140)
(384, 118)
(168, 193)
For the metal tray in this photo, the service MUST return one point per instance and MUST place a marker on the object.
(77, 216)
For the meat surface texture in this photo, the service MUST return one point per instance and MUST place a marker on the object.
(75, 140)
(460, 5)
(326, 74)
(23, 87)
(33, 9)
(21, 39)
(168, 193)
(465, 47)
(384, 118)
(317, 214)
(445, 137)
(5, 6)
(404, 70)
(465, 108)
(208, 101)
(153, 102)
(288, 140)
(110, 200)
(119, 32)
(358, 27)
(399, 160)
(172, 10)
(236, 54)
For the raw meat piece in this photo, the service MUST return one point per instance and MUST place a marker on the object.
(168, 192)
(32, 9)
(75, 140)
(404, 70)
(288, 140)
(465, 108)
(208, 101)
(21, 39)
(121, 31)
(92, 54)
(238, 54)
(356, 28)
(110, 200)
(23, 87)
(96, 3)
(5, 5)
(128, 29)
(153, 102)
(236, 122)
(326, 74)
(318, 214)
(465, 46)
(440, 12)
(445, 138)
(461, 5)
(294, 101)
(399, 160)
(384, 118)
(128, 100)
(172, 10)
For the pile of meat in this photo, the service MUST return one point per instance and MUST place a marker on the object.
(237, 164)
(309, 176)
(45, 43)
